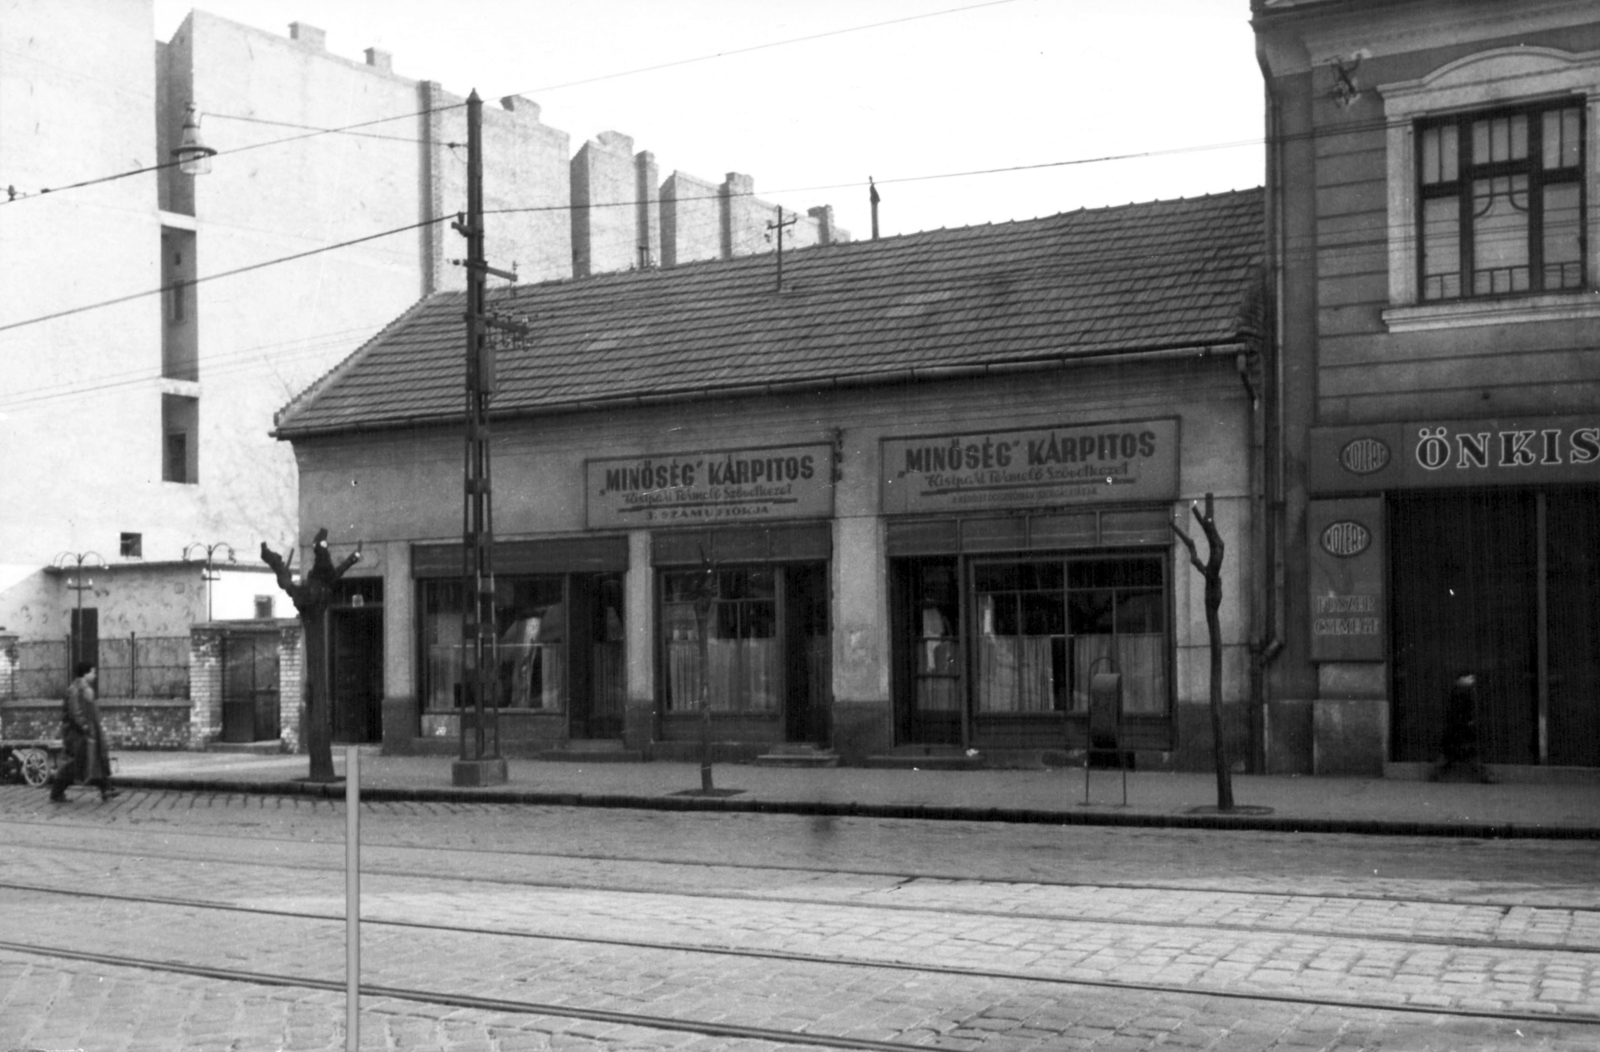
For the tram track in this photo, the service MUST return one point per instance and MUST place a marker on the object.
(372, 870)
(718, 1028)
(232, 836)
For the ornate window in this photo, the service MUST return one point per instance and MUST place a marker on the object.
(1492, 164)
(1501, 202)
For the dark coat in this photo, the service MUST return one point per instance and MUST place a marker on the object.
(82, 736)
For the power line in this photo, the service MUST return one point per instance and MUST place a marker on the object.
(221, 274)
(761, 47)
(312, 131)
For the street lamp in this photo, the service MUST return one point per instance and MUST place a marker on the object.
(80, 584)
(192, 155)
(210, 574)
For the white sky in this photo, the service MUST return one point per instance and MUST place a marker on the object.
(971, 85)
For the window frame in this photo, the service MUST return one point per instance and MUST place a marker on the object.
(1468, 87)
(1461, 191)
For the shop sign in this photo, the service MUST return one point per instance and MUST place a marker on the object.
(755, 484)
(1493, 452)
(1130, 460)
(1347, 582)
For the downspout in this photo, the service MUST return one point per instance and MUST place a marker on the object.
(1266, 455)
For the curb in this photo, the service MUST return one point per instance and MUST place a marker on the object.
(334, 791)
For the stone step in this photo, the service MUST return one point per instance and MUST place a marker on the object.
(797, 754)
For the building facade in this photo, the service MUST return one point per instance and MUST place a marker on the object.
(1435, 231)
(163, 317)
(910, 502)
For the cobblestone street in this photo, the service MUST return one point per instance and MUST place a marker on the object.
(173, 920)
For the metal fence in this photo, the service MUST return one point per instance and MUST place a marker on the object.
(129, 667)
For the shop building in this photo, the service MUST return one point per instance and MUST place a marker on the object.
(1434, 225)
(930, 482)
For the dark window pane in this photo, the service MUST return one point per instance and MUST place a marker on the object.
(1043, 615)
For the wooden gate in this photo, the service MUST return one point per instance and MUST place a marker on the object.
(250, 686)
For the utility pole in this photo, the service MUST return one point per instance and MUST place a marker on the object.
(481, 763)
(778, 226)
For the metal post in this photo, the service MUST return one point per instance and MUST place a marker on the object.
(481, 764)
(352, 898)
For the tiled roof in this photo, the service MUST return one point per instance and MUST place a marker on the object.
(1135, 278)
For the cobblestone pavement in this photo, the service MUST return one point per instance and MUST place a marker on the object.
(916, 934)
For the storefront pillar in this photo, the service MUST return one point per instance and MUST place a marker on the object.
(863, 716)
(639, 715)
(401, 717)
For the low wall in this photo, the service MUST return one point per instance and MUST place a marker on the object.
(132, 723)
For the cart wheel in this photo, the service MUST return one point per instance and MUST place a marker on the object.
(35, 765)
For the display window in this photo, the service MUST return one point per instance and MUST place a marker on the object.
(983, 641)
(1045, 627)
(558, 644)
(749, 637)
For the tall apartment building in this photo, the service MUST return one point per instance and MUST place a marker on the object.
(153, 323)
(1434, 223)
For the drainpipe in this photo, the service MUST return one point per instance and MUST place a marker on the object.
(1266, 454)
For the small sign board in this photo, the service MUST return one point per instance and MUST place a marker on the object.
(747, 485)
(1349, 610)
(974, 471)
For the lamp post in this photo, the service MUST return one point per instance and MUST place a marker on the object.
(210, 574)
(80, 584)
(192, 155)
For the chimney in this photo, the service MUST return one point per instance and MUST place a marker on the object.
(823, 214)
(381, 61)
(308, 35)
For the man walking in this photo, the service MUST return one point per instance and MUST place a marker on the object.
(87, 757)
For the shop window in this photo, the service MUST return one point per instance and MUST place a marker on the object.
(537, 641)
(739, 665)
(1044, 628)
(1491, 191)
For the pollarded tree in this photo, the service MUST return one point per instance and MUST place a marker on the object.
(311, 598)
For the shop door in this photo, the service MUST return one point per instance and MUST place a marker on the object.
(808, 678)
(1464, 569)
(597, 680)
(1572, 532)
(926, 627)
(357, 658)
(250, 687)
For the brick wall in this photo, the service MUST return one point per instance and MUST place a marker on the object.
(205, 684)
(8, 665)
(141, 723)
(291, 685)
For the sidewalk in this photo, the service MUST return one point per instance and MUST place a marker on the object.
(1154, 799)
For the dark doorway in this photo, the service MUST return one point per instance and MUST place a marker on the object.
(250, 687)
(84, 624)
(925, 603)
(598, 679)
(1572, 544)
(808, 658)
(356, 654)
(1464, 571)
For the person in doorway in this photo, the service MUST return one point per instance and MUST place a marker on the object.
(1460, 758)
(87, 757)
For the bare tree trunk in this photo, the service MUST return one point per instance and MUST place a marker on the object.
(702, 618)
(312, 597)
(1211, 570)
(319, 711)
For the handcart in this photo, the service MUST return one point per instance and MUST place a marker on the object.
(31, 760)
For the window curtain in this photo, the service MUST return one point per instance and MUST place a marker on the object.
(610, 679)
(1014, 674)
(743, 674)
